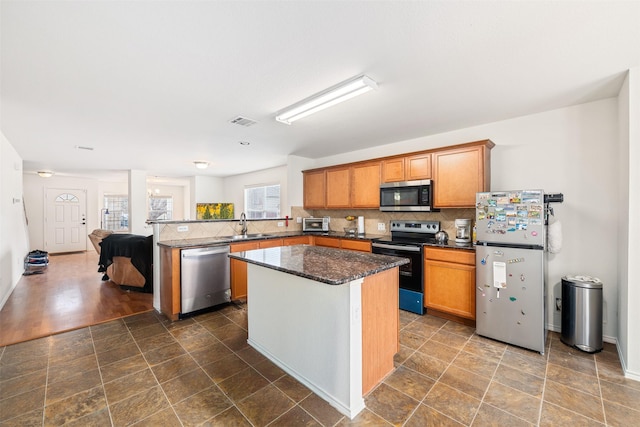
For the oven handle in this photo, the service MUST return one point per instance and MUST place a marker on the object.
(396, 248)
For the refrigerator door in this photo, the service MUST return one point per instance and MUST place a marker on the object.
(510, 296)
(513, 217)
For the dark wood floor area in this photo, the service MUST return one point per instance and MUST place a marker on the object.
(68, 295)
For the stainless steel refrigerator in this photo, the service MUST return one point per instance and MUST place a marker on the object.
(511, 267)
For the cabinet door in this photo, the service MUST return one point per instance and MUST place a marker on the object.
(297, 240)
(338, 188)
(450, 288)
(314, 189)
(170, 282)
(239, 270)
(365, 185)
(330, 242)
(459, 174)
(356, 245)
(393, 170)
(418, 167)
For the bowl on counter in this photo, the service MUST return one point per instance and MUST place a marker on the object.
(351, 230)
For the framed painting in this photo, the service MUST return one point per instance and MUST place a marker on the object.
(214, 211)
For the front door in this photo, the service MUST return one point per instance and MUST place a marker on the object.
(65, 220)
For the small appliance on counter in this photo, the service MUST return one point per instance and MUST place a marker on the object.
(463, 231)
(317, 225)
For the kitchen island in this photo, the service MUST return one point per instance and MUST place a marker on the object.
(328, 317)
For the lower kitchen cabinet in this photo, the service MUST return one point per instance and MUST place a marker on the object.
(239, 269)
(170, 282)
(329, 242)
(356, 245)
(297, 240)
(450, 281)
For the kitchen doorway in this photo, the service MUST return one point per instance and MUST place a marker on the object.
(65, 220)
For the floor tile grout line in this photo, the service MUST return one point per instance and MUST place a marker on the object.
(158, 384)
(104, 390)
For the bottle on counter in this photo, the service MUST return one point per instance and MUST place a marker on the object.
(474, 234)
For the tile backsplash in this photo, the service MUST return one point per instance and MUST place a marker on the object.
(216, 228)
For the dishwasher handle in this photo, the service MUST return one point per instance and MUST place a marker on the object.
(200, 252)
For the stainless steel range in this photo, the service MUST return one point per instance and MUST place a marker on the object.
(407, 240)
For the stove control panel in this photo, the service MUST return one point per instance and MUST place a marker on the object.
(430, 227)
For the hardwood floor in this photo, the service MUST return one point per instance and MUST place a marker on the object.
(68, 295)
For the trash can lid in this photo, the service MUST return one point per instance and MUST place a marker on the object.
(584, 281)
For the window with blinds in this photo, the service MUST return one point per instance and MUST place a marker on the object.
(262, 202)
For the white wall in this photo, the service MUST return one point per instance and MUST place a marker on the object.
(13, 233)
(177, 194)
(295, 166)
(205, 189)
(628, 229)
(234, 187)
(571, 150)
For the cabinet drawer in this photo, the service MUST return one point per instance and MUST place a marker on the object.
(331, 242)
(245, 246)
(459, 256)
(356, 245)
(298, 240)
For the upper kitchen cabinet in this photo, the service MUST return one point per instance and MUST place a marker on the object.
(338, 186)
(365, 185)
(407, 168)
(461, 172)
(314, 189)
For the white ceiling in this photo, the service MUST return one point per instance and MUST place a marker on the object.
(152, 85)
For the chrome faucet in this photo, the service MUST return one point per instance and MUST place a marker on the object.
(243, 223)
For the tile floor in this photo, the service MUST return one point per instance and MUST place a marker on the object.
(146, 371)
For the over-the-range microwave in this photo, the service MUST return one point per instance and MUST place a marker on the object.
(407, 196)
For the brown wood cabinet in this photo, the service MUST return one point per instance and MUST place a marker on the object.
(407, 168)
(337, 242)
(356, 245)
(314, 189)
(461, 172)
(449, 281)
(170, 282)
(297, 240)
(239, 270)
(330, 242)
(365, 185)
(338, 187)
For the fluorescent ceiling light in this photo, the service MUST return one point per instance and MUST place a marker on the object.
(45, 174)
(201, 165)
(332, 96)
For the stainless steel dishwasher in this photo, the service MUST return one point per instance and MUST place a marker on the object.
(204, 274)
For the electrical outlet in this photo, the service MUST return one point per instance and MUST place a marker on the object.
(381, 226)
(299, 220)
(558, 304)
(183, 228)
(280, 223)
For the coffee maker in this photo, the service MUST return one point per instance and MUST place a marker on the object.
(463, 231)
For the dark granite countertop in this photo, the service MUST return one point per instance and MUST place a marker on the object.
(326, 265)
(225, 240)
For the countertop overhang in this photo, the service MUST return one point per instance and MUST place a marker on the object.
(327, 265)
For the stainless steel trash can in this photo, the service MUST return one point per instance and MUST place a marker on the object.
(582, 313)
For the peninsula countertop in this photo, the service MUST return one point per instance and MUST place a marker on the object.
(326, 265)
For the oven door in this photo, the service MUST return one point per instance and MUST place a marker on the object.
(410, 282)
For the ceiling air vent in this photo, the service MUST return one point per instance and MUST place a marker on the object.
(242, 121)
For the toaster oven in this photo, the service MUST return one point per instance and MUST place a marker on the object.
(316, 224)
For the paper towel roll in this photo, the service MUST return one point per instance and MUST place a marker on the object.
(360, 225)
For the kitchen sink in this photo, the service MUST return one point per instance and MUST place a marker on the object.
(248, 236)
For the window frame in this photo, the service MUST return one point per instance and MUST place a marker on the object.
(250, 212)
